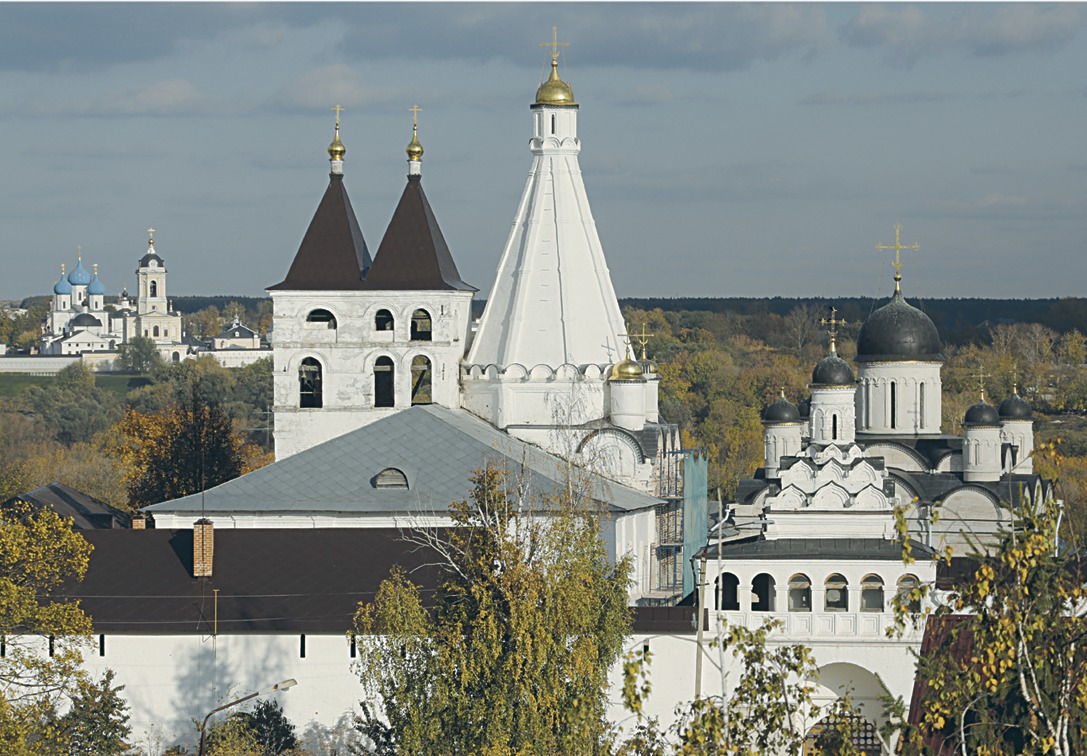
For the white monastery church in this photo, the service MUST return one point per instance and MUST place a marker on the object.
(387, 399)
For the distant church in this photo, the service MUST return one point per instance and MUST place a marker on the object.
(79, 320)
(82, 322)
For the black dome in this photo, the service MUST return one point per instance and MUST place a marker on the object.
(86, 320)
(146, 260)
(832, 370)
(1015, 407)
(781, 411)
(981, 413)
(804, 408)
(898, 331)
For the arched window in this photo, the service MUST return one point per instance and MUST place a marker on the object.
(909, 593)
(421, 390)
(872, 594)
(834, 427)
(309, 384)
(420, 325)
(383, 321)
(762, 590)
(322, 316)
(156, 330)
(837, 594)
(921, 404)
(177, 356)
(384, 393)
(154, 289)
(728, 592)
(799, 593)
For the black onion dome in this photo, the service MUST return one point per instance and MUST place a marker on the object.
(85, 319)
(898, 331)
(781, 411)
(1015, 407)
(804, 408)
(832, 370)
(981, 413)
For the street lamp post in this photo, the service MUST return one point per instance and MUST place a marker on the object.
(204, 725)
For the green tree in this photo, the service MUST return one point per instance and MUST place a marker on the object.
(39, 554)
(140, 355)
(273, 732)
(769, 710)
(178, 451)
(96, 722)
(1010, 673)
(513, 655)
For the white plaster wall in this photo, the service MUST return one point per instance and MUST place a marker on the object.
(348, 352)
(874, 397)
(169, 680)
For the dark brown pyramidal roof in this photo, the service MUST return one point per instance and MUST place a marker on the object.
(413, 254)
(333, 254)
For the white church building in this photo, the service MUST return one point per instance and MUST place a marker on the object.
(386, 399)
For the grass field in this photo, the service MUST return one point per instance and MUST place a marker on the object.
(15, 384)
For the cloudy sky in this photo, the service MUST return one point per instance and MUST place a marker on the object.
(728, 150)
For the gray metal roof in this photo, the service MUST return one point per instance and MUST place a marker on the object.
(813, 548)
(436, 448)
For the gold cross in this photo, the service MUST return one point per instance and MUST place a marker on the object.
(642, 339)
(981, 376)
(554, 44)
(338, 109)
(415, 114)
(151, 236)
(833, 330)
(898, 247)
(79, 251)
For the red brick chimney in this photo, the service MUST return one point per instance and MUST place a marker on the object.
(203, 548)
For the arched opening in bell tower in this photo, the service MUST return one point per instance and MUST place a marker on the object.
(309, 384)
(421, 379)
(384, 391)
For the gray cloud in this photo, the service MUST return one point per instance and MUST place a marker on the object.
(171, 97)
(877, 98)
(910, 32)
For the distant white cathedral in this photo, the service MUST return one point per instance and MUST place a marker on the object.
(79, 321)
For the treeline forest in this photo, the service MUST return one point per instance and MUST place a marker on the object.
(721, 362)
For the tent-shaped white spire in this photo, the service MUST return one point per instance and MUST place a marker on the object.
(553, 302)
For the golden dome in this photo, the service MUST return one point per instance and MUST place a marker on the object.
(555, 91)
(336, 150)
(415, 150)
(626, 370)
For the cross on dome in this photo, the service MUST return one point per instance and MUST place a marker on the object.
(898, 246)
(554, 44)
(833, 329)
(151, 236)
(981, 375)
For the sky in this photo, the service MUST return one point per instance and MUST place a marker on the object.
(727, 149)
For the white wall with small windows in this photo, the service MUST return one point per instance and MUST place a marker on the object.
(367, 354)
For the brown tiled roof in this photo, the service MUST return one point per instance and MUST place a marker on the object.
(413, 255)
(269, 580)
(333, 255)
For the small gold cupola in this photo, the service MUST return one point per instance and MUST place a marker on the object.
(555, 91)
(336, 150)
(415, 149)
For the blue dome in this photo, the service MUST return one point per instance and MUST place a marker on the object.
(62, 286)
(79, 275)
(96, 286)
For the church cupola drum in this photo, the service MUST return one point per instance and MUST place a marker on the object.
(898, 365)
